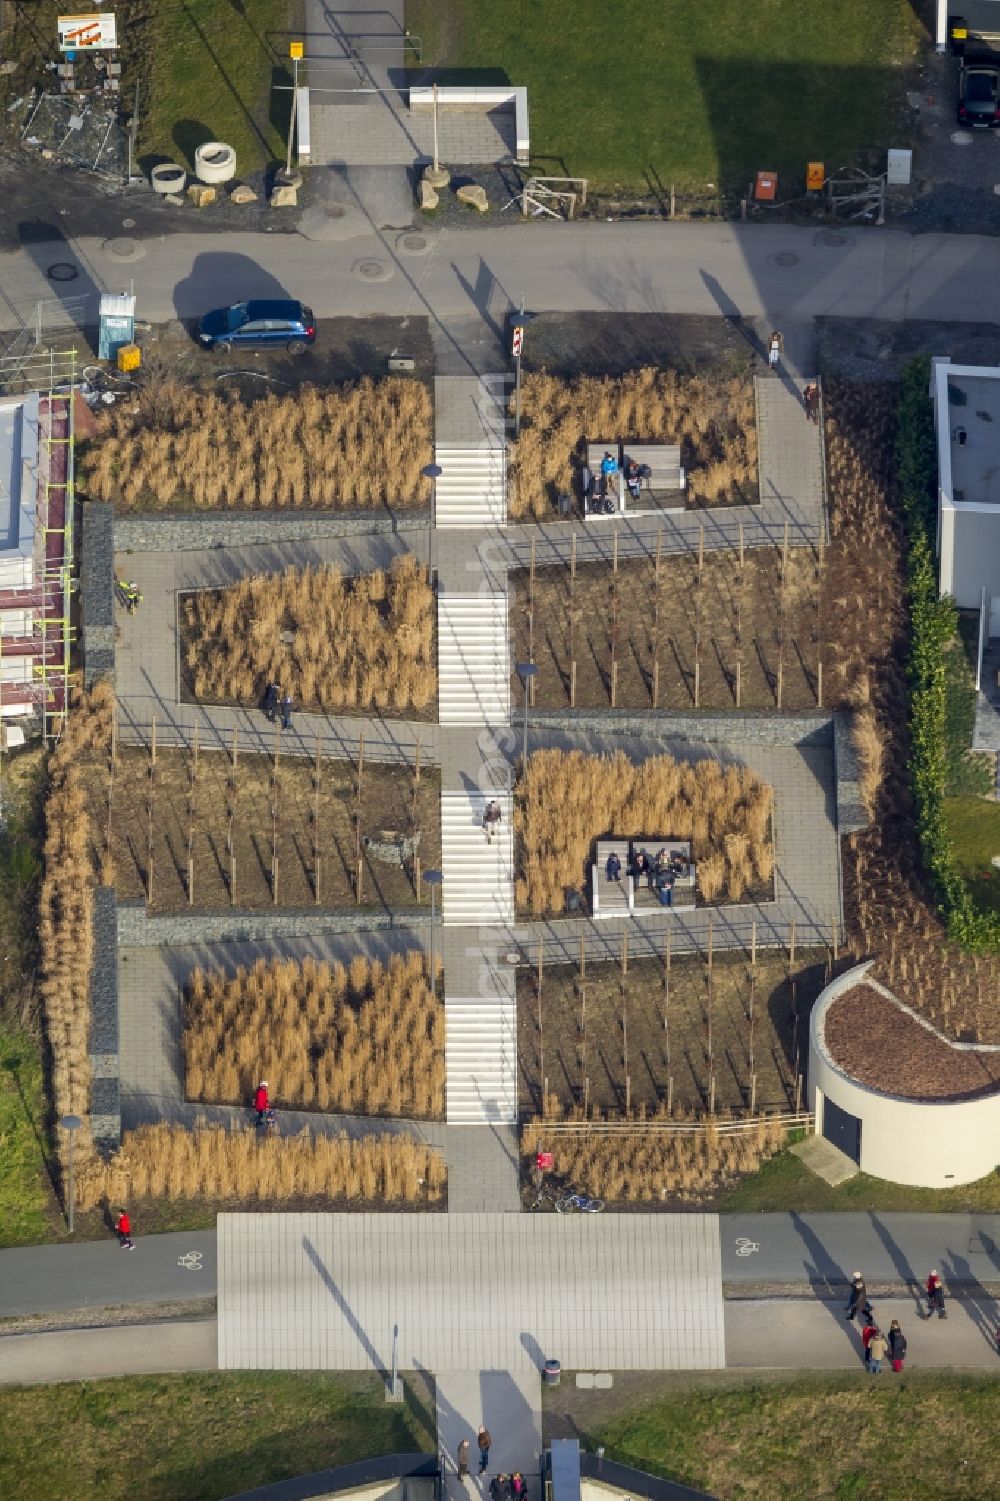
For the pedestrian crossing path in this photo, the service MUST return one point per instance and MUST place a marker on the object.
(473, 659)
(471, 490)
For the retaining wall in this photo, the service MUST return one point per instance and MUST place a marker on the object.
(197, 530)
(105, 1091)
(97, 591)
(137, 929)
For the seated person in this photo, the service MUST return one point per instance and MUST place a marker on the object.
(633, 478)
(613, 868)
(679, 863)
(662, 859)
(641, 869)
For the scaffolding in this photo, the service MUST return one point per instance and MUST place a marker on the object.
(47, 642)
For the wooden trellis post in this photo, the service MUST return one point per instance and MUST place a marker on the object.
(741, 581)
(192, 813)
(152, 742)
(582, 1048)
(572, 621)
(614, 619)
(114, 736)
(791, 944)
(698, 607)
(359, 868)
(413, 816)
(657, 616)
(819, 618)
(539, 974)
(531, 622)
(628, 1076)
(317, 771)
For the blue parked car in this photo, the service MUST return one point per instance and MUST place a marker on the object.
(268, 325)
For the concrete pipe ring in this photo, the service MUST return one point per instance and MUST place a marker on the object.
(168, 178)
(215, 162)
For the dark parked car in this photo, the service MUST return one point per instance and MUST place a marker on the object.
(979, 95)
(288, 325)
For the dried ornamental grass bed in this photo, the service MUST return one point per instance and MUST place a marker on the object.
(367, 1039)
(358, 446)
(655, 1166)
(876, 1042)
(567, 800)
(173, 1162)
(358, 643)
(711, 418)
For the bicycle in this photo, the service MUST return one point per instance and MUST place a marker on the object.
(573, 1203)
(268, 1125)
(544, 1194)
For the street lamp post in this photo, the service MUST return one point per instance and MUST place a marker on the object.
(526, 671)
(295, 51)
(519, 322)
(432, 878)
(433, 473)
(71, 1124)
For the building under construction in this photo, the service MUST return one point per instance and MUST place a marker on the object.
(36, 558)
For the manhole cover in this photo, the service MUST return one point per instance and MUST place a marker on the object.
(831, 237)
(371, 270)
(63, 271)
(785, 258)
(961, 138)
(128, 224)
(335, 211)
(413, 243)
(124, 249)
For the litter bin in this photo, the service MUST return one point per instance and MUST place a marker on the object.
(565, 503)
(553, 1371)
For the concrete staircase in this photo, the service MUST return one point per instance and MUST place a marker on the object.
(473, 659)
(480, 1059)
(478, 885)
(472, 488)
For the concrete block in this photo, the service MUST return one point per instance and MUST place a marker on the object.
(585, 1380)
(200, 195)
(475, 196)
(284, 196)
(429, 199)
(243, 193)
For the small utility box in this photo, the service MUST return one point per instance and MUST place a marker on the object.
(765, 187)
(899, 168)
(815, 177)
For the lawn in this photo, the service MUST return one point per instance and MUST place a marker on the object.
(211, 67)
(197, 1437)
(784, 1184)
(25, 1193)
(974, 826)
(920, 1438)
(697, 92)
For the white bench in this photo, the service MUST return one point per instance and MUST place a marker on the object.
(484, 98)
(663, 460)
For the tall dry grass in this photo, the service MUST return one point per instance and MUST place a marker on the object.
(649, 1166)
(173, 1162)
(568, 799)
(362, 445)
(869, 746)
(367, 1039)
(358, 643)
(712, 418)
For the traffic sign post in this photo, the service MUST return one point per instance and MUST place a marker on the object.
(519, 322)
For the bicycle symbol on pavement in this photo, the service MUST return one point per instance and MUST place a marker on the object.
(190, 1261)
(746, 1247)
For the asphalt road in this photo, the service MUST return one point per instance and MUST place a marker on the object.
(748, 271)
(161, 1269)
(887, 1248)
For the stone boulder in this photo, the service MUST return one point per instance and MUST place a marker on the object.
(475, 196)
(428, 197)
(200, 195)
(243, 193)
(437, 177)
(284, 196)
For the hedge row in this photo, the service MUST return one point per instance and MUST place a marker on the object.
(934, 625)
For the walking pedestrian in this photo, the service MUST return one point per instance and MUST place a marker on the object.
(123, 1229)
(876, 1352)
(271, 700)
(897, 1346)
(775, 345)
(519, 1486)
(492, 818)
(868, 1333)
(463, 1459)
(261, 1101)
(935, 1296)
(485, 1439)
(859, 1297)
(810, 400)
(286, 712)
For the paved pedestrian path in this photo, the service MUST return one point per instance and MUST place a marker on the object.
(813, 1334)
(508, 1404)
(95, 1354)
(468, 1292)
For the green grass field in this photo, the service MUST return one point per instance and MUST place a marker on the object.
(784, 1184)
(915, 1438)
(26, 1202)
(211, 66)
(974, 825)
(196, 1437)
(694, 92)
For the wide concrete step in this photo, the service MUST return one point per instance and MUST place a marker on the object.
(481, 1059)
(473, 659)
(478, 877)
(471, 490)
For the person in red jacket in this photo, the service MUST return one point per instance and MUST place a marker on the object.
(261, 1101)
(935, 1296)
(123, 1229)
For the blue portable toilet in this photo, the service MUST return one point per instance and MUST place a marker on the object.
(117, 323)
